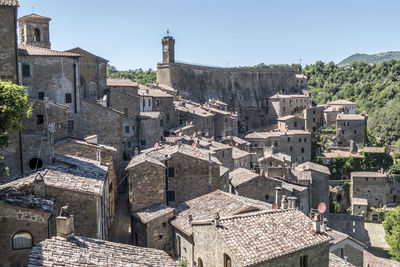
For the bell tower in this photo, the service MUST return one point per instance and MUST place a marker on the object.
(168, 49)
(34, 30)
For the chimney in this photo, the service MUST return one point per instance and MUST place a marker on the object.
(216, 219)
(102, 155)
(65, 223)
(324, 224)
(39, 189)
(91, 139)
(316, 223)
(292, 202)
(278, 191)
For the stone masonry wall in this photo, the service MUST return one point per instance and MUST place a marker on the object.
(14, 219)
(8, 53)
(160, 233)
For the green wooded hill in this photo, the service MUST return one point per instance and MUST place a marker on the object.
(370, 59)
(375, 89)
(138, 75)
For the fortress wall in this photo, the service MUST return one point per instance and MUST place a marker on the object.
(245, 90)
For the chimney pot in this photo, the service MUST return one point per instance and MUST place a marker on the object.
(65, 223)
(39, 189)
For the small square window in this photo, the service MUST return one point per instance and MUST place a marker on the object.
(164, 225)
(39, 119)
(342, 131)
(142, 142)
(41, 95)
(355, 131)
(167, 116)
(160, 237)
(68, 98)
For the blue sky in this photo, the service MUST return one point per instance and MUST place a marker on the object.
(216, 32)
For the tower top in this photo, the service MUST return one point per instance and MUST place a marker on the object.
(34, 30)
(168, 48)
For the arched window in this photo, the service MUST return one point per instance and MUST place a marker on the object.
(35, 163)
(22, 240)
(227, 261)
(199, 262)
(37, 35)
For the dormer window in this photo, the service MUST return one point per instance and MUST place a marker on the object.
(37, 35)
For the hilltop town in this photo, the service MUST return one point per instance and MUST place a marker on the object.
(205, 167)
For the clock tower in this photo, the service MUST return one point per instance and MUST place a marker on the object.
(168, 49)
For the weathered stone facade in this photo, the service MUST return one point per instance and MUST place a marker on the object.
(352, 225)
(93, 74)
(151, 128)
(372, 186)
(282, 105)
(34, 30)
(8, 37)
(350, 127)
(314, 118)
(290, 122)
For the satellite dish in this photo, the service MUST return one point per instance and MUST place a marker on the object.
(194, 134)
(191, 123)
(274, 206)
(194, 144)
(212, 138)
(237, 144)
(321, 207)
(197, 153)
(156, 146)
(180, 134)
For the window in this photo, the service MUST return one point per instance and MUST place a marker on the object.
(160, 237)
(70, 124)
(299, 140)
(41, 95)
(270, 163)
(129, 144)
(39, 119)
(127, 129)
(26, 70)
(304, 261)
(167, 116)
(171, 172)
(68, 98)
(342, 131)
(313, 119)
(144, 103)
(22, 240)
(276, 143)
(170, 195)
(291, 149)
(149, 102)
(266, 197)
(35, 163)
(37, 35)
(199, 263)
(164, 225)
(126, 112)
(313, 112)
(288, 139)
(355, 131)
(295, 124)
(142, 142)
(226, 120)
(305, 140)
(227, 261)
(302, 150)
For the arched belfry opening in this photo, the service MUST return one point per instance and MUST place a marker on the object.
(37, 35)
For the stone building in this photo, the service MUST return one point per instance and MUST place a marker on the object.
(240, 158)
(104, 122)
(204, 207)
(331, 113)
(189, 173)
(295, 143)
(244, 90)
(236, 142)
(76, 250)
(264, 238)
(24, 222)
(225, 123)
(349, 105)
(93, 74)
(272, 160)
(151, 129)
(290, 122)
(154, 99)
(314, 118)
(301, 81)
(193, 113)
(123, 96)
(163, 87)
(8, 37)
(350, 127)
(49, 73)
(280, 105)
(316, 177)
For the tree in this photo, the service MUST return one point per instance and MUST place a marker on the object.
(14, 107)
(391, 224)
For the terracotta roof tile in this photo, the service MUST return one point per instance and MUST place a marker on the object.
(374, 261)
(29, 50)
(335, 261)
(350, 117)
(9, 3)
(34, 16)
(83, 251)
(153, 92)
(149, 114)
(241, 175)
(313, 166)
(341, 102)
(275, 233)
(368, 174)
(238, 153)
(121, 83)
(153, 212)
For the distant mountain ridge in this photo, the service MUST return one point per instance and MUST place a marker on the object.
(370, 59)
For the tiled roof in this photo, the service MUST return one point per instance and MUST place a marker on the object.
(273, 156)
(81, 51)
(340, 153)
(241, 175)
(223, 170)
(371, 260)
(163, 87)
(121, 83)
(30, 50)
(34, 16)
(141, 159)
(238, 140)
(67, 140)
(291, 186)
(217, 145)
(153, 92)
(83, 251)
(368, 174)
(359, 201)
(335, 109)
(215, 110)
(264, 135)
(371, 149)
(238, 153)
(313, 166)
(9, 3)
(350, 117)
(288, 96)
(191, 107)
(204, 207)
(287, 117)
(335, 261)
(153, 212)
(262, 236)
(21, 199)
(341, 102)
(149, 114)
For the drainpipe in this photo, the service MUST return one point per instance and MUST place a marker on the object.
(16, 45)
(209, 172)
(75, 98)
(20, 152)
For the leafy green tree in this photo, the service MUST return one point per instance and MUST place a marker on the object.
(391, 224)
(14, 107)
(138, 75)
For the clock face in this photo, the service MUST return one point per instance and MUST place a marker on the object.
(165, 48)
